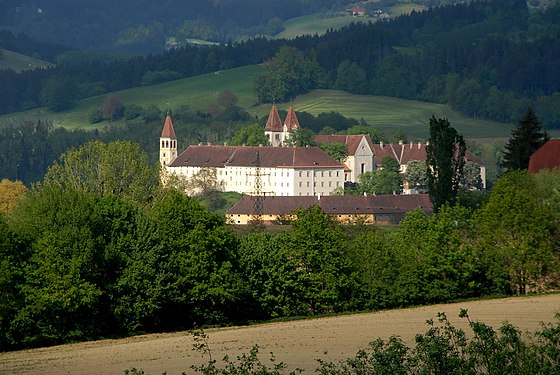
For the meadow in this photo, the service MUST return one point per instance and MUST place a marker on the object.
(18, 62)
(385, 113)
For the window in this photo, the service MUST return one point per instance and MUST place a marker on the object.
(363, 167)
(276, 136)
(337, 173)
(330, 183)
(300, 184)
(322, 184)
(307, 173)
(299, 173)
(330, 173)
(322, 174)
(307, 183)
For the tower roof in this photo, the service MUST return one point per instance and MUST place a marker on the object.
(273, 124)
(168, 131)
(291, 120)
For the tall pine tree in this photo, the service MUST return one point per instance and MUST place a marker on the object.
(525, 139)
(445, 159)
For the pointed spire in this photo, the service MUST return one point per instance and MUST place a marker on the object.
(168, 131)
(274, 124)
(292, 121)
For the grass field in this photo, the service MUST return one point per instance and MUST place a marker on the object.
(19, 62)
(314, 24)
(388, 114)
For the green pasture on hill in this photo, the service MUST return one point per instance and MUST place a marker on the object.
(315, 24)
(18, 62)
(392, 114)
(388, 114)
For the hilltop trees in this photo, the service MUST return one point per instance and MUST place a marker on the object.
(445, 159)
(525, 139)
(289, 73)
(119, 168)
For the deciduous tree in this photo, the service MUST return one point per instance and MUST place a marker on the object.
(445, 159)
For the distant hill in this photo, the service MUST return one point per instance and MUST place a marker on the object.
(19, 62)
(144, 26)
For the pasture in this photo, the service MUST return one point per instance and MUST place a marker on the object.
(18, 62)
(385, 113)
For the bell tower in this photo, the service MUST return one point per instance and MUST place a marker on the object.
(167, 143)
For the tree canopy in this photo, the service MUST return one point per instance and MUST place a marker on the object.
(525, 139)
(445, 159)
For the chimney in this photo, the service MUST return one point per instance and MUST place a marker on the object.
(381, 144)
(365, 194)
(318, 196)
(410, 144)
(400, 142)
(419, 145)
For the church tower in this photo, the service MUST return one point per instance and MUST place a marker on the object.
(167, 143)
(290, 124)
(273, 128)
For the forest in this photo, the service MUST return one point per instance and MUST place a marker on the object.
(488, 60)
(100, 249)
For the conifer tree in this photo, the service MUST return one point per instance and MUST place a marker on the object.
(525, 139)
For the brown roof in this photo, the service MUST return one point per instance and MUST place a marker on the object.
(351, 141)
(246, 156)
(406, 152)
(332, 204)
(291, 120)
(273, 124)
(168, 131)
(546, 157)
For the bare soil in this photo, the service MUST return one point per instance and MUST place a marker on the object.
(298, 343)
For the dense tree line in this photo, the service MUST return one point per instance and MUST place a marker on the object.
(148, 24)
(84, 256)
(485, 59)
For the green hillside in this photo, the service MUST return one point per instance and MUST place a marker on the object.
(388, 114)
(19, 62)
(314, 24)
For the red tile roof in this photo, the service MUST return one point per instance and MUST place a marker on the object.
(351, 141)
(273, 124)
(339, 205)
(546, 157)
(291, 120)
(168, 131)
(406, 152)
(246, 156)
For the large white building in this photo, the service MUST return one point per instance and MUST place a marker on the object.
(281, 171)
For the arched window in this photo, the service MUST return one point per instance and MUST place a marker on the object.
(162, 144)
(167, 144)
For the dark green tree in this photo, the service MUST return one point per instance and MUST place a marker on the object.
(525, 139)
(58, 93)
(445, 159)
(338, 151)
(250, 135)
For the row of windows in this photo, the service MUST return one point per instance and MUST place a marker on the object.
(322, 173)
(165, 144)
(322, 184)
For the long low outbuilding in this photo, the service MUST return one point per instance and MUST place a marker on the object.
(374, 209)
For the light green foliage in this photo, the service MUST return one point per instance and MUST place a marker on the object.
(377, 135)
(338, 151)
(300, 137)
(118, 168)
(516, 236)
(445, 159)
(199, 275)
(471, 179)
(384, 180)
(250, 135)
(416, 175)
